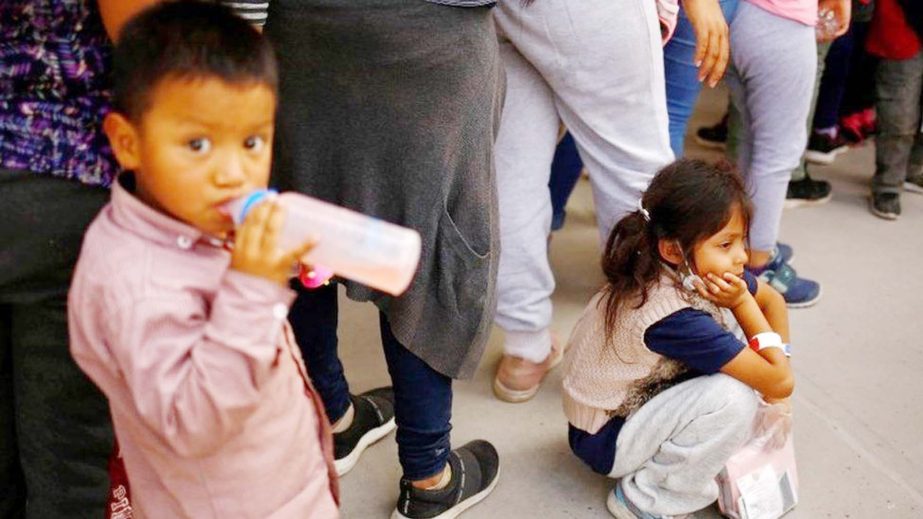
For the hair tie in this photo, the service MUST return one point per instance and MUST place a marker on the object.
(644, 213)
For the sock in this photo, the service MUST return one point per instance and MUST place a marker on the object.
(345, 421)
(444, 480)
(829, 132)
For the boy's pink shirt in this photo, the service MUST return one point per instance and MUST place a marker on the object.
(802, 11)
(212, 408)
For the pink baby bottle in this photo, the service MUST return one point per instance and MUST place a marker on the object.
(352, 245)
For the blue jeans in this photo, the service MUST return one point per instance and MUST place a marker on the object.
(422, 396)
(565, 172)
(683, 84)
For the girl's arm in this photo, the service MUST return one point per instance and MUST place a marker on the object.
(772, 304)
(767, 371)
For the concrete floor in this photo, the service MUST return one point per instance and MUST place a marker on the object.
(857, 357)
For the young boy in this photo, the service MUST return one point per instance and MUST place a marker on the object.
(211, 405)
(896, 36)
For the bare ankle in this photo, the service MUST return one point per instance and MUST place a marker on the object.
(435, 482)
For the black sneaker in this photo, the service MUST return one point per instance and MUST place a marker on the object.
(475, 471)
(807, 191)
(373, 419)
(713, 137)
(823, 149)
(885, 205)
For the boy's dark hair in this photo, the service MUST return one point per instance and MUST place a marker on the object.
(688, 201)
(186, 39)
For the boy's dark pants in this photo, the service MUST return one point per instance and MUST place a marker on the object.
(55, 432)
(899, 145)
(422, 396)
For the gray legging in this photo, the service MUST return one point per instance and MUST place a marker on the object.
(771, 78)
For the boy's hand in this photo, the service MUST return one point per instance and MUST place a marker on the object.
(256, 250)
(728, 292)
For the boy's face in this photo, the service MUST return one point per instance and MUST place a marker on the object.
(725, 251)
(201, 143)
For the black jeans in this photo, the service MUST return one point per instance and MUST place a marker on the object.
(422, 396)
(899, 144)
(55, 432)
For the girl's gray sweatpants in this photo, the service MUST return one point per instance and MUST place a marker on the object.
(670, 450)
(596, 66)
(771, 78)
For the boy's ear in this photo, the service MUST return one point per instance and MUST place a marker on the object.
(124, 139)
(670, 251)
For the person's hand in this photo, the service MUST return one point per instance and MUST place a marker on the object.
(842, 13)
(712, 44)
(774, 422)
(728, 291)
(256, 250)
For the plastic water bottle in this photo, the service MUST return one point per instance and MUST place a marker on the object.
(373, 252)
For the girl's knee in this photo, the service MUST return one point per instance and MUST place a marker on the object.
(738, 401)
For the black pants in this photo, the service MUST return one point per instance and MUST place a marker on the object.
(55, 432)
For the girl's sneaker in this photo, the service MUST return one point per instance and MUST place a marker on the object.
(475, 471)
(798, 292)
(621, 508)
(372, 421)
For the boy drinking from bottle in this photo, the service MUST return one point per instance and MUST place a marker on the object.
(180, 322)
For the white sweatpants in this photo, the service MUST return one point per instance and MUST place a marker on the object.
(670, 450)
(596, 66)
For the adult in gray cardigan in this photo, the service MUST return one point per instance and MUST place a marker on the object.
(390, 107)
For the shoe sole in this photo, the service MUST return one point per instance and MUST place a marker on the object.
(518, 396)
(881, 214)
(819, 157)
(910, 187)
(791, 203)
(460, 507)
(806, 304)
(514, 396)
(712, 145)
(617, 509)
(344, 465)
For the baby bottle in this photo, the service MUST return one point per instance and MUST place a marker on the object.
(373, 252)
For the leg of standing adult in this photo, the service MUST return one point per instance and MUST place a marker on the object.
(899, 87)
(774, 65)
(422, 407)
(56, 454)
(389, 107)
(802, 189)
(314, 316)
(681, 74)
(601, 72)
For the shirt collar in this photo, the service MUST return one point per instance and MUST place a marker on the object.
(145, 221)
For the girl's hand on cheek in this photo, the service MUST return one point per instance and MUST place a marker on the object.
(728, 291)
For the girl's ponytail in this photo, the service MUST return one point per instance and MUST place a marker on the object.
(631, 261)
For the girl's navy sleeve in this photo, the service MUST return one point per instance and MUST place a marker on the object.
(694, 338)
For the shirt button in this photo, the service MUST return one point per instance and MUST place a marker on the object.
(184, 242)
(279, 311)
